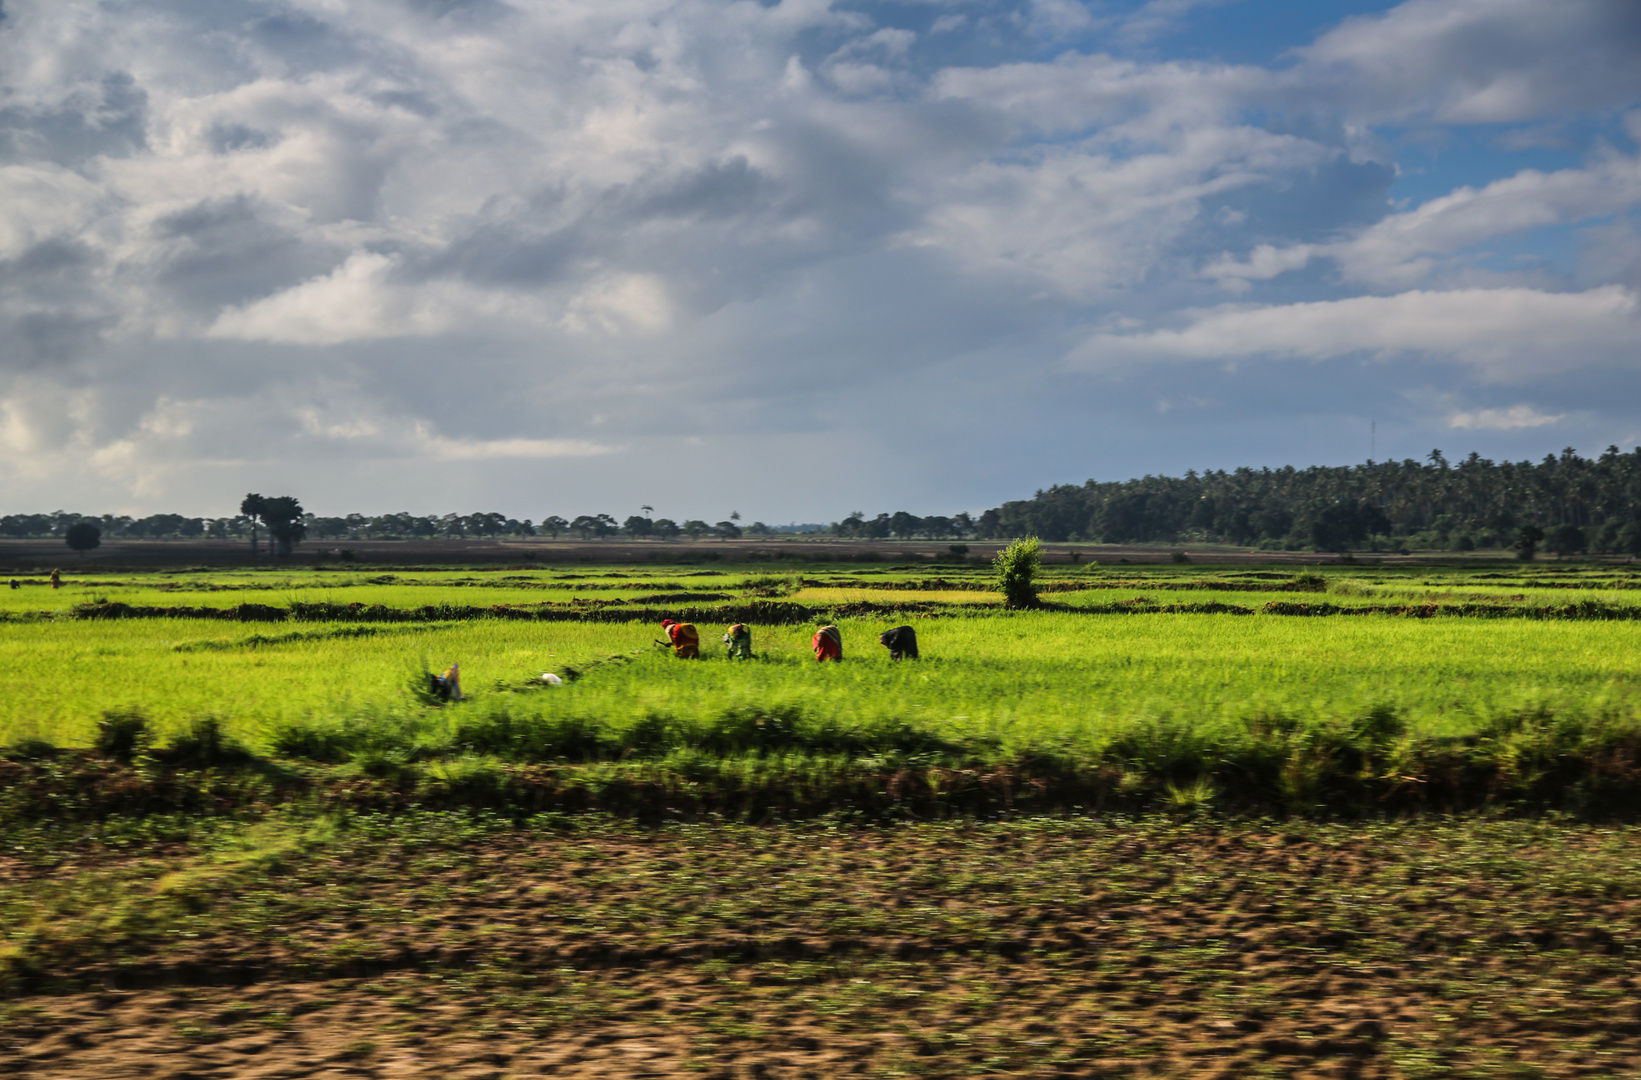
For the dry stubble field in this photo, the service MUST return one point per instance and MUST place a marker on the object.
(449, 945)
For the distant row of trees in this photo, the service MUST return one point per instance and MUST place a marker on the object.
(1572, 503)
(585, 526)
(904, 526)
(286, 524)
(1566, 503)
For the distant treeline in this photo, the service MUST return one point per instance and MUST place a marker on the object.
(400, 526)
(1569, 502)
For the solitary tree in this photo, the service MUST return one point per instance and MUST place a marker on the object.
(283, 516)
(1013, 570)
(251, 506)
(696, 528)
(637, 526)
(554, 525)
(1527, 542)
(727, 530)
(83, 537)
(665, 528)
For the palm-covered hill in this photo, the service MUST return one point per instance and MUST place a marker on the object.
(1577, 503)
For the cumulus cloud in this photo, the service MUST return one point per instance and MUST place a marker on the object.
(1403, 248)
(1505, 333)
(1479, 61)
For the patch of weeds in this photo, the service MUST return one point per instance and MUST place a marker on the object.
(123, 735)
(206, 745)
(358, 1049)
(30, 748)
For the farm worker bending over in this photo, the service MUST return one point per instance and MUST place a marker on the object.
(739, 640)
(828, 643)
(685, 642)
(448, 687)
(901, 641)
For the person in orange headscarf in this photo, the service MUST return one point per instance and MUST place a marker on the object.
(828, 643)
(685, 642)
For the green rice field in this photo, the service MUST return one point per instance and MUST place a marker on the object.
(1171, 676)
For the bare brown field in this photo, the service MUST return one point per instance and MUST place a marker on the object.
(424, 947)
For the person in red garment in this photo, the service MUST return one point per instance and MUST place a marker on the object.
(682, 636)
(828, 643)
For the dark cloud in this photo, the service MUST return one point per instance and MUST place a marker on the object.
(41, 339)
(225, 251)
(106, 118)
(226, 138)
(721, 189)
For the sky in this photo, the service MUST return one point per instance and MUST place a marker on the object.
(799, 258)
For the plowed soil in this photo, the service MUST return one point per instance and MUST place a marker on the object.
(434, 945)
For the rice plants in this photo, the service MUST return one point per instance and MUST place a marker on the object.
(1182, 699)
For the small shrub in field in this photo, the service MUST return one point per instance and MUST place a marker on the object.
(323, 744)
(205, 745)
(383, 765)
(1179, 557)
(122, 735)
(30, 749)
(1014, 568)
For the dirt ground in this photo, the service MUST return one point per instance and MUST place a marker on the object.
(415, 947)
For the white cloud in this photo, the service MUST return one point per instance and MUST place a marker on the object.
(1479, 61)
(1405, 248)
(440, 448)
(41, 201)
(1263, 263)
(1158, 17)
(1514, 418)
(1511, 332)
(1084, 222)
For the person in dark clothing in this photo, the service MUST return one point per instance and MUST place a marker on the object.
(901, 641)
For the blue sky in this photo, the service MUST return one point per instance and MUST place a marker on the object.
(803, 257)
